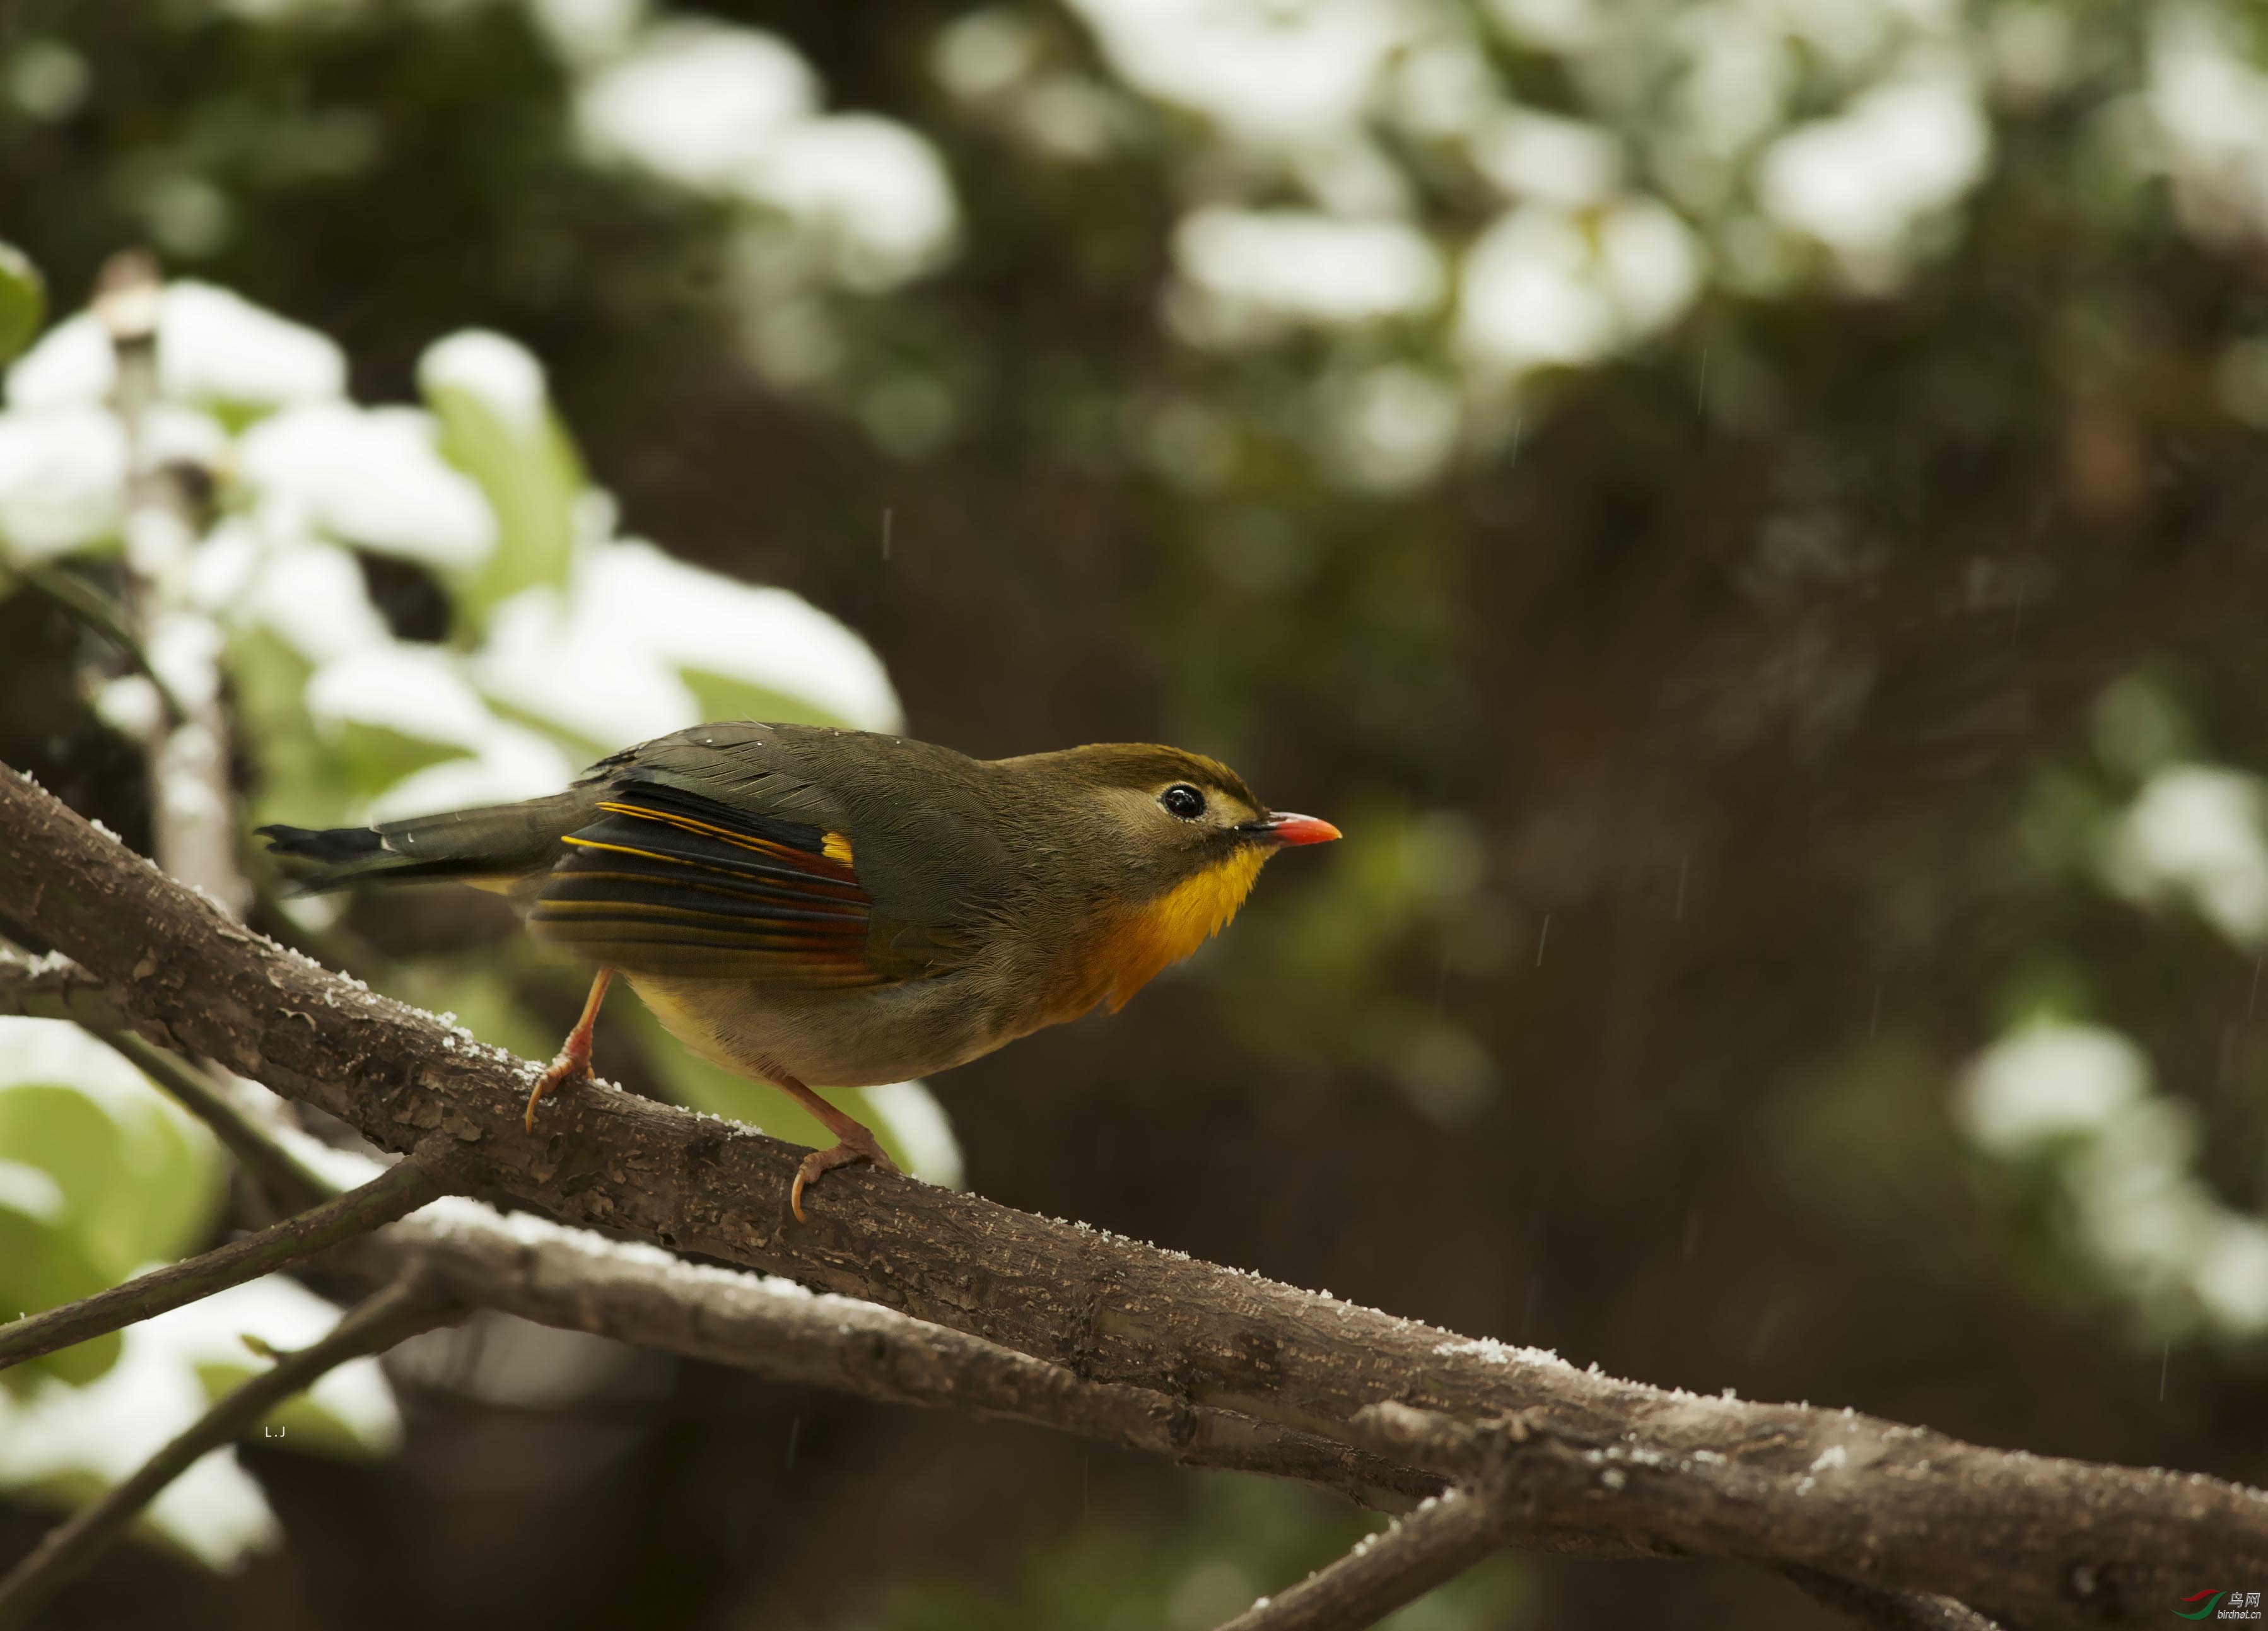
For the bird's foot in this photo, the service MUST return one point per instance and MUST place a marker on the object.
(852, 1151)
(571, 1066)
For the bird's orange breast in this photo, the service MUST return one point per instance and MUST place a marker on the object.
(1134, 942)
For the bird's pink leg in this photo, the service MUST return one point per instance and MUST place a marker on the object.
(574, 1061)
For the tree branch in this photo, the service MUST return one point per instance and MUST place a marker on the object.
(576, 1281)
(400, 1189)
(1443, 1538)
(2031, 1540)
(192, 807)
(402, 1311)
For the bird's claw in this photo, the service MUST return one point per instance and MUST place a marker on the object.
(843, 1154)
(567, 1067)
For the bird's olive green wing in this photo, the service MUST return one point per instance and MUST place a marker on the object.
(669, 879)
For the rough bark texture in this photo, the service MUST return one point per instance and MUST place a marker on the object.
(2030, 1540)
(576, 1281)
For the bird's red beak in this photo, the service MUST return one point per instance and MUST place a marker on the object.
(1296, 829)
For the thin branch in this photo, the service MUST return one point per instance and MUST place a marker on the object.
(400, 1189)
(1886, 1611)
(1465, 1524)
(192, 806)
(1442, 1539)
(2031, 1540)
(403, 1309)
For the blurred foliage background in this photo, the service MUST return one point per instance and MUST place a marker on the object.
(1748, 512)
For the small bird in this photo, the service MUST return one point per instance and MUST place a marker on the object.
(800, 904)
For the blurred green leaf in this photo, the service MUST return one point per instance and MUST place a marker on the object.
(297, 780)
(136, 1188)
(23, 300)
(532, 477)
(42, 1267)
(370, 759)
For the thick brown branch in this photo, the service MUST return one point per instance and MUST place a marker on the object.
(2030, 1540)
(577, 1280)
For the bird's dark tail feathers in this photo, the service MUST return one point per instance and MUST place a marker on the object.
(493, 848)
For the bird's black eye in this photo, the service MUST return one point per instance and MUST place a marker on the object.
(1183, 801)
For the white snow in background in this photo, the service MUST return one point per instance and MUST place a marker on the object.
(560, 661)
(2194, 834)
(733, 113)
(1858, 182)
(1559, 25)
(1442, 89)
(159, 543)
(131, 705)
(72, 366)
(421, 692)
(112, 1426)
(184, 649)
(1392, 427)
(981, 54)
(31, 1190)
(1545, 286)
(173, 434)
(921, 1129)
(1283, 75)
(604, 662)
(873, 192)
(311, 593)
(513, 763)
(63, 479)
(414, 690)
(368, 475)
(766, 637)
(699, 103)
(1249, 271)
(1548, 158)
(213, 344)
(500, 371)
(2232, 1275)
(2079, 1099)
(587, 31)
(2210, 108)
(2048, 1082)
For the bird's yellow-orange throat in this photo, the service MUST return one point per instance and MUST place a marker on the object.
(1139, 940)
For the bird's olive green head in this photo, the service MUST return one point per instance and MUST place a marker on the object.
(1164, 815)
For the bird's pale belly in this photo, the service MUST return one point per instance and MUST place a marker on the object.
(843, 1038)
